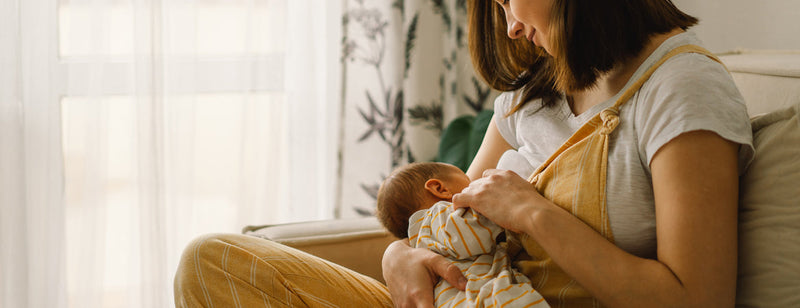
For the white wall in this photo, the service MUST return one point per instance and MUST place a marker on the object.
(753, 24)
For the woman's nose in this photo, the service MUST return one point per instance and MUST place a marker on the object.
(515, 28)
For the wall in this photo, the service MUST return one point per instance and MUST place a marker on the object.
(752, 24)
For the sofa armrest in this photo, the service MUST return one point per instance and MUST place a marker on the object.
(357, 244)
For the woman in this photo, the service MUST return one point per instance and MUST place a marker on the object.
(652, 221)
(669, 238)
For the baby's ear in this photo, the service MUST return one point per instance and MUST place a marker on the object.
(438, 189)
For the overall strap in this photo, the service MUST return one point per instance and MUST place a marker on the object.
(607, 120)
(679, 50)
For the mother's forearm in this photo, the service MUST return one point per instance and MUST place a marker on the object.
(613, 276)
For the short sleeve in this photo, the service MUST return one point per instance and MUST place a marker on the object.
(691, 92)
(507, 125)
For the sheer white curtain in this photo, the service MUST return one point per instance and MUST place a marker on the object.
(31, 174)
(131, 126)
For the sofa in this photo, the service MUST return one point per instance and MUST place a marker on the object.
(769, 209)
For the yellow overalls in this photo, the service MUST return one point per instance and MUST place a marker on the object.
(574, 178)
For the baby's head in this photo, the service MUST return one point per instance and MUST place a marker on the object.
(414, 187)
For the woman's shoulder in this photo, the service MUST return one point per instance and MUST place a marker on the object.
(691, 79)
(689, 92)
(506, 101)
(690, 68)
(508, 123)
(686, 71)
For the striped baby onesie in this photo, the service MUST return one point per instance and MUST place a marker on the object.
(467, 239)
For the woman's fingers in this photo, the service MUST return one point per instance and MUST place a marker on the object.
(503, 197)
(489, 172)
(460, 199)
(412, 273)
(448, 271)
(486, 184)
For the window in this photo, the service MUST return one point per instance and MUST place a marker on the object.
(178, 119)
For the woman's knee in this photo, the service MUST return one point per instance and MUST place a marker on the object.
(200, 268)
(228, 269)
(218, 252)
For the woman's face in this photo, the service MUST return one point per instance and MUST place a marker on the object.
(528, 19)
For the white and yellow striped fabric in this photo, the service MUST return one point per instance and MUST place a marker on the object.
(468, 240)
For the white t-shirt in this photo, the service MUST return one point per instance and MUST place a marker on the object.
(688, 92)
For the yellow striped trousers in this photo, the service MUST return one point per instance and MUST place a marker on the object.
(232, 270)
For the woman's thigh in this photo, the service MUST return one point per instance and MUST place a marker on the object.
(232, 270)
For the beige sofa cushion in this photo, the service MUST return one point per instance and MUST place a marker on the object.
(768, 80)
(769, 214)
(356, 243)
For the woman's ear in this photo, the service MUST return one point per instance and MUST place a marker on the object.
(438, 189)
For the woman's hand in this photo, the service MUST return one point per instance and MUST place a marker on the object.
(411, 274)
(504, 198)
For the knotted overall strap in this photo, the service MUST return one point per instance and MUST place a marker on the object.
(574, 178)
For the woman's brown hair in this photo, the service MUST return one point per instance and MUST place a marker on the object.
(587, 38)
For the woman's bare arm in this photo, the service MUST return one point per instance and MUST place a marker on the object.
(492, 147)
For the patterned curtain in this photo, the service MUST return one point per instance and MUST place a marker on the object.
(407, 74)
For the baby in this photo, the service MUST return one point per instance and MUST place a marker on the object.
(415, 202)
